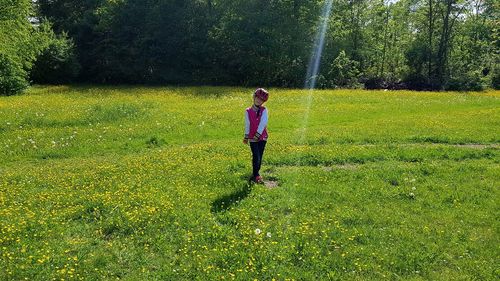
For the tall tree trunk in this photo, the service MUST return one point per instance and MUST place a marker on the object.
(443, 45)
(385, 40)
(354, 29)
(429, 51)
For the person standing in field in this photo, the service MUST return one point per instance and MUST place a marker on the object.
(256, 118)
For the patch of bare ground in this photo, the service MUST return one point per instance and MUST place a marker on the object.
(347, 166)
(271, 184)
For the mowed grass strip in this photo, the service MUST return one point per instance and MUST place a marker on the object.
(139, 183)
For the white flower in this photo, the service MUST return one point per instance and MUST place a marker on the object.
(257, 231)
(268, 234)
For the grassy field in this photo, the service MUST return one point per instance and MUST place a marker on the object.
(107, 183)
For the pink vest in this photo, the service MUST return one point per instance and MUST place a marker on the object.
(254, 123)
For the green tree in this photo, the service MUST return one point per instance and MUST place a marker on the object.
(428, 43)
(80, 19)
(437, 24)
(20, 43)
(265, 42)
(343, 73)
(57, 63)
(473, 58)
(14, 30)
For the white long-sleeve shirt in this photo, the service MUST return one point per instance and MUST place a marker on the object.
(262, 124)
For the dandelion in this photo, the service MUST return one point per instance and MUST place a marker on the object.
(257, 231)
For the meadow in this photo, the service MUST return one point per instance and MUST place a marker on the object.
(151, 183)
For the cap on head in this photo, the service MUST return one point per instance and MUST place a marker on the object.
(261, 94)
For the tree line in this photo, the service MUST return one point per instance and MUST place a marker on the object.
(405, 44)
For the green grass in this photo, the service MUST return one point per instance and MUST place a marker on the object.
(100, 183)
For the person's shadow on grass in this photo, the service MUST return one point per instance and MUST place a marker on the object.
(225, 202)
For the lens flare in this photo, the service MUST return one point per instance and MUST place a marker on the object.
(313, 67)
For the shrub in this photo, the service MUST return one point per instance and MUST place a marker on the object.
(466, 81)
(417, 81)
(12, 75)
(56, 64)
(373, 83)
(495, 79)
(343, 72)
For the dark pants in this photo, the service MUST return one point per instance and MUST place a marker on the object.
(257, 153)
